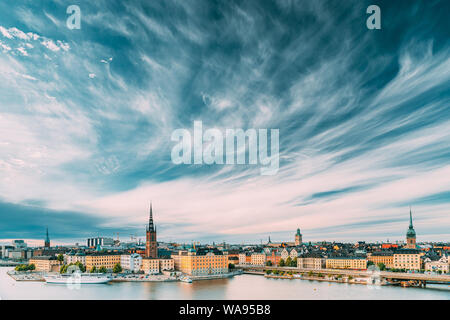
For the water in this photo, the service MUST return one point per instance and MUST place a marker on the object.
(239, 287)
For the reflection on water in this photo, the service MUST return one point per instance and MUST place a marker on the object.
(240, 287)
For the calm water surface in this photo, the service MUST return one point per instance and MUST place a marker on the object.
(239, 287)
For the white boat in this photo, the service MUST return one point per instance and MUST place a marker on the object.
(78, 278)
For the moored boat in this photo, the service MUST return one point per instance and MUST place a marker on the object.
(78, 278)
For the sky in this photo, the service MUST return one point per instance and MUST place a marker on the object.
(86, 117)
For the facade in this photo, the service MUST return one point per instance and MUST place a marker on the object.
(441, 265)
(102, 260)
(384, 257)
(45, 264)
(408, 259)
(75, 257)
(201, 262)
(150, 265)
(258, 259)
(99, 241)
(410, 234)
(151, 245)
(274, 257)
(132, 262)
(298, 238)
(311, 261)
(245, 258)
(355, 263)
(166, 264)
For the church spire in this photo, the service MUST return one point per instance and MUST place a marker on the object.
(47, 239)
(410, 219)
(151, 226)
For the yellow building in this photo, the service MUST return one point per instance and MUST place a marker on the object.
(346, 263)
(45, 263)
(201, 262)
(102, 260)
(386, 258)
(408, 259)
(154, 266)
(311, 261)
(258, 259)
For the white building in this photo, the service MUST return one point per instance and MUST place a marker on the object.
(132, 262)
(442, 264)
(75, 257)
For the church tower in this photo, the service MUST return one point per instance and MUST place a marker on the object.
(151, 246)
(298, 238)
(47, 240)
(410, 234)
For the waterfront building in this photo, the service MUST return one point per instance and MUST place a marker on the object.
(384, 257)
(274, 256)
(411, 234)
(201, 261)
(73, 257)
(298, 238)
(311, 261)
(245, 258)
(99, 241)
(151, 245)
(102, 260)
(441, 264)
(45, 263)
(356, 263)
(132, 262)
(150, 265)
(258, 259)
(47, 240)
(284, 254)
(408, 259)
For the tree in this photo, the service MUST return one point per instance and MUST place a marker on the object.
(93, 269)
(60, 258)
(31, 267)
(63, 268)
(231, 266)
(288, 261)
(269, 263)
(294, 262)
(281, 263)
(382, 266)
(102, 269)
(117, 268)
(268, 271)
(370, 263)
(80, 266)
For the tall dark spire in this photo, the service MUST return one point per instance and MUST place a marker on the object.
(47, 239)
(151, 226)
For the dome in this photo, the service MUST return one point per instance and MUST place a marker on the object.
(410, 233)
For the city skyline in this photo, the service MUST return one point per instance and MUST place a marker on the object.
(86, 118)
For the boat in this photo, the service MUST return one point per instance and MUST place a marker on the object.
(78, 278)
(186, 279)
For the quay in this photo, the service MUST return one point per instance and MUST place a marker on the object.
(384, 277)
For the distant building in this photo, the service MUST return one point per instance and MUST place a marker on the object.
(19, 244)
(411, 234)
(384, 257)
(99, 241)
(311, 261)
(258, 259)
(442, 264)
(201, 262)
(46, 263)
(72, 257)
(102, 260)
(132, 262)
(408, 259)
(356, 263)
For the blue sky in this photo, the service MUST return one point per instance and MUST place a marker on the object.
(86, 118)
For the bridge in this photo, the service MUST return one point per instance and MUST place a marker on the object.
(418, 278)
